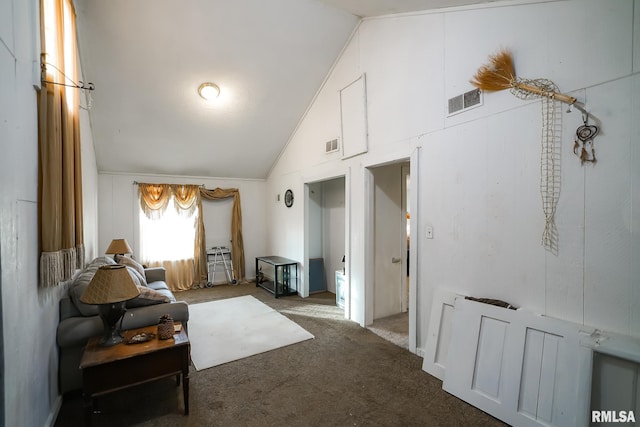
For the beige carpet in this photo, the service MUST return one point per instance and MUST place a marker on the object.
(393, 328)
(230, 329)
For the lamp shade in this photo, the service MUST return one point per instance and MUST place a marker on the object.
(111, 283)
(119, 247)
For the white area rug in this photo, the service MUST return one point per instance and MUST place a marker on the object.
(231, 329)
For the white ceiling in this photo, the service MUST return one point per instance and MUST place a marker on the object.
(148, 57)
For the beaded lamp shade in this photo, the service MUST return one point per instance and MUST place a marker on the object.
(111, 283)
(118, 247)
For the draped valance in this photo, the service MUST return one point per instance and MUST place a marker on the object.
(154, 198)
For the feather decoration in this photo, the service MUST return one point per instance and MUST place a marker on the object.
(500, 74)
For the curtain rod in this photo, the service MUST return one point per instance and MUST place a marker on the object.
(199, 185)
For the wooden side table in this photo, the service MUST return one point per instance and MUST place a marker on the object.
(109, 369)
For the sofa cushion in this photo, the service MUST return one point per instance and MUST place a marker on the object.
(135, 265)
(150, 296)
(81, 282)
(158, 285)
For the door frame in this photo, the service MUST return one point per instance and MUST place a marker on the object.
(369, 267)
(346, 174)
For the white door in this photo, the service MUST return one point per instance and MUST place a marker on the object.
(389, 241)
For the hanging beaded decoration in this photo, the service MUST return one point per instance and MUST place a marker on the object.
(550, 155)
(500, 74)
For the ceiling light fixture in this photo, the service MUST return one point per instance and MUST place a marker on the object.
(209, 91)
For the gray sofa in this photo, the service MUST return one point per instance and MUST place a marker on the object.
(79, 322)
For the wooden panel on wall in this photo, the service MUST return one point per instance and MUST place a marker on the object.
(437, 348)
(353, 114)
(519, 367)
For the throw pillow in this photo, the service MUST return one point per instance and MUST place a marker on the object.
(130, 262)
(148, 297)
(137, 278)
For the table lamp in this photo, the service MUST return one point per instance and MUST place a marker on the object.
(118, 247)
(109, 289)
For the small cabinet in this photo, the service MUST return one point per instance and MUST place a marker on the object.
(277, 275)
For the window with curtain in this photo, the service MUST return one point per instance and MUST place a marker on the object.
(165, 236)
(59, 155)
(169, 218)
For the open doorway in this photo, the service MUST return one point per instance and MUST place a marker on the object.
(326, 241)
(391, 248)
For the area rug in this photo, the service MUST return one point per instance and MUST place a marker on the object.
(230, 329)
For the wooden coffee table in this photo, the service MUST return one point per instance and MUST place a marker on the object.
(109, 369)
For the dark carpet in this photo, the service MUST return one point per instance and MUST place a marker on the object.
(346, 376)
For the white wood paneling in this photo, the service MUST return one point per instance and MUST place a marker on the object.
(615, 385)
(488, 364)
(636, 36)
(440, 325)
(607, 246)
(519, 367)
(399, 71)
(6, 25)
(635, 193)
(353, 114)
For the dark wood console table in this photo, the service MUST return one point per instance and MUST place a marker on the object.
(277, 275)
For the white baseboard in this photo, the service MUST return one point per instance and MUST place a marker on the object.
(53, 415)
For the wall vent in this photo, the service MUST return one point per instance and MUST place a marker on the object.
(464, 102)
(331, 146)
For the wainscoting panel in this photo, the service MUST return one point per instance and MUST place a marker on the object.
(437, 346)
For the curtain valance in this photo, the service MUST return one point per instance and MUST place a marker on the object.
(154, 198)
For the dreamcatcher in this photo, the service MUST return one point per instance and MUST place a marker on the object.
(500, 74)
(583, 144)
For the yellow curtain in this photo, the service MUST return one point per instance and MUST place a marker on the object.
(59, 155)
(186, 198)
(154, 199)
(237, 245)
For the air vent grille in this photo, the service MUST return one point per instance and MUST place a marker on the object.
(465, 101)
(331, 146)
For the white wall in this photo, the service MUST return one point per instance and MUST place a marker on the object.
(119, 212)
(478, 175)
(29, 314)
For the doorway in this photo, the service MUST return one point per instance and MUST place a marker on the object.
(326, 240)
(390, 224)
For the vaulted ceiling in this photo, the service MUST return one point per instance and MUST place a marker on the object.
(148, 57)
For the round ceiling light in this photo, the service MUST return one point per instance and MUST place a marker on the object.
(209, 91)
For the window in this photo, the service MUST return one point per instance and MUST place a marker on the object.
(170, 238)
